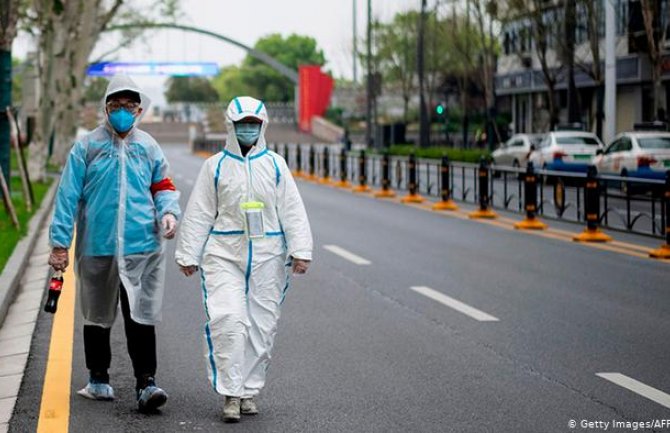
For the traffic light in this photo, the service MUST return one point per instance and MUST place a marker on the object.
(439, 109)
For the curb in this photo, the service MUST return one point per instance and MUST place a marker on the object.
(10, 278)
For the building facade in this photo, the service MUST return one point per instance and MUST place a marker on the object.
(521, 83)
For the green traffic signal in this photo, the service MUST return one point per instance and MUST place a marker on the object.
(439, 109)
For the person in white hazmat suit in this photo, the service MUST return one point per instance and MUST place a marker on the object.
(115, 188)
(246, 227)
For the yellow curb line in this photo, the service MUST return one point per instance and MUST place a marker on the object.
(55, 407)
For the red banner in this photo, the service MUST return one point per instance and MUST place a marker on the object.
(314, 89)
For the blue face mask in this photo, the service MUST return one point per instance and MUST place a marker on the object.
(122, 120)
(247, 133)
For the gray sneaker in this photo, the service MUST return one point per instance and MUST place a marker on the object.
(231, 409)
(248, 406)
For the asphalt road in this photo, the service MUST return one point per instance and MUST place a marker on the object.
(358, 350)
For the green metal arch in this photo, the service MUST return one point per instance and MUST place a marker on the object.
(289, 73)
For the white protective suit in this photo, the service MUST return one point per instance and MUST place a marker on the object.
(116, 190)
(244, 280)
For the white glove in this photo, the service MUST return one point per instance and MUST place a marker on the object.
(169, 223)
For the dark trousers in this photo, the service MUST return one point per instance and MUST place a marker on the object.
(141, 340)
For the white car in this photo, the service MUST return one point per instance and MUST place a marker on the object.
(566, 151)
(636, 154)
(514, 152)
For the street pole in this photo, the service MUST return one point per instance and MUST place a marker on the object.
(424, 124)
(355, 8)
(368, 118)
(610, 72)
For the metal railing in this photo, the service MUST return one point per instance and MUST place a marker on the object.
(627, 204)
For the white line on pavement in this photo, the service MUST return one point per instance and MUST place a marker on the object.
(455, 304)
(347, 255)
(189, 181)
(178, 176)
(637, 387)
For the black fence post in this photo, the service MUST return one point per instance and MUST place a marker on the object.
(311, 163)
(412, 187)
(287, 155)
(530, 201)
(325, 165)
(298, 161)
(343, 183)
(386, 191)
(484, 210)
(446, 203)
(664, 251)
(362, 174)
(592, 233)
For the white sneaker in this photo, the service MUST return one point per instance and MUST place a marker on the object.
(97, 391)
(231, 409)
(248, 406)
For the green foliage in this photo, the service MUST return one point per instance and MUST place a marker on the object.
(9, 236)
(334, 114)
(230, 83)
(190, 89)
(95, 89)
(454, 154)
(256, 79)
(17, 82)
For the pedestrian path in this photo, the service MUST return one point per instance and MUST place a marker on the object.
(17, 330)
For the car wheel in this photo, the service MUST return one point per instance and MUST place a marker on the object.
(624, 185)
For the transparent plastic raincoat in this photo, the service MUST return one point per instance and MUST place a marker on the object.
(116, 191)
(244, 280)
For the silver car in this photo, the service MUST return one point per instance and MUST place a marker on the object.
(514, 152)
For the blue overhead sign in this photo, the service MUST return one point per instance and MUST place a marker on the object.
(180, 69)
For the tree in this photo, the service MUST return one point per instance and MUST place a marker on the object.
(397, 43)
(260, 80)
(10, 11)
(190, 89)
(17, 81)
(485, 13)
(656, 38)
(230, 83)
(67, 32)
(95, 89)
(544, 23)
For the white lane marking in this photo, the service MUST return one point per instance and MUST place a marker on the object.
(178, 176)
(347, 255)
(455, 304)
(189, 181)
(637, 387)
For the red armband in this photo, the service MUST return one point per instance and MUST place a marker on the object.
(164, 185)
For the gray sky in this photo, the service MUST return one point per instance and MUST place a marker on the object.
(328, 21)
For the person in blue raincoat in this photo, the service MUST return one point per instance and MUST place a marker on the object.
(115, 189)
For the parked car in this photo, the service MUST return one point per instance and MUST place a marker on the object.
(643, 154)
(566, 151)
(514, 152)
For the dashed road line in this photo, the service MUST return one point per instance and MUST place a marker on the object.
(455, 304)
(637, 387)
(348, 255)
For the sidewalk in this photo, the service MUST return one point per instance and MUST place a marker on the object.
(16, 331)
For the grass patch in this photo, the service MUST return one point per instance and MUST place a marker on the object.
(437, 152)
(9, 236)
